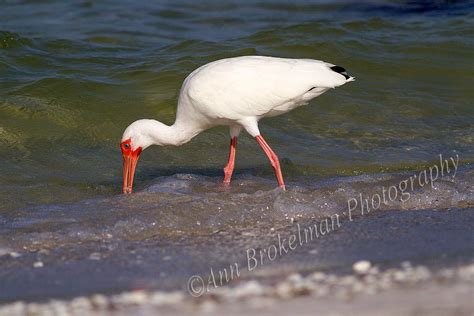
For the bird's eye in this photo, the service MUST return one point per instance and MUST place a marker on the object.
(126, 146)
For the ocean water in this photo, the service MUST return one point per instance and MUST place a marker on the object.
(74, 74)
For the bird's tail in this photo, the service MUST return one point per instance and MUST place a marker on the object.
(342, 71)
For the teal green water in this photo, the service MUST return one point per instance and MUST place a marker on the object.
(73, 75)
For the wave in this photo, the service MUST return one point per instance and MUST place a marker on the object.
(187, 205)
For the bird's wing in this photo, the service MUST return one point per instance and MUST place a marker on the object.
(239, 87)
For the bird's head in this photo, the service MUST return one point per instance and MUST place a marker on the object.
(135, 139)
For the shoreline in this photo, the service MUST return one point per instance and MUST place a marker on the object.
(406, 289)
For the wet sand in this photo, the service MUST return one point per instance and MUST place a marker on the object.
(432, 241)
(405, 290)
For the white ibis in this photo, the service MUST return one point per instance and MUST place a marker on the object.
(236, 92)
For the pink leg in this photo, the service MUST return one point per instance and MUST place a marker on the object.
(229, 168)
(273, 160)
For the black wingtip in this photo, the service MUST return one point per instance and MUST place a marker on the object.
(341, 71)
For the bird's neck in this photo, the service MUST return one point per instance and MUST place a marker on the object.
(176, 134)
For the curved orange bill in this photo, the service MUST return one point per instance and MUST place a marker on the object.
(129, 165)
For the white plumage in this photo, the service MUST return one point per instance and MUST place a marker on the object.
(237, 92)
